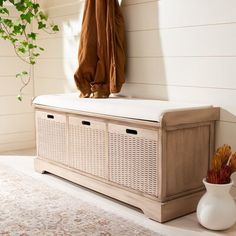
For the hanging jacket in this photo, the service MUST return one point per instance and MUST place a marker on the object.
(102, 50)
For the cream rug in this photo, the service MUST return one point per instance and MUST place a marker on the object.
(30, 207)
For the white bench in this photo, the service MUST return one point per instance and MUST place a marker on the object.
(148, 153)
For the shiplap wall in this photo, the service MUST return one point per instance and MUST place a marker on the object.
(184, 51)
(56, 66)
(177, 50)
(181, 50)
(16, 118)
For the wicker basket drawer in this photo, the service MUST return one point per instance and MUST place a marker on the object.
(51, 136)
(87, 146)
(134, 157)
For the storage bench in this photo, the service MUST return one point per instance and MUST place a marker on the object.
(148, 153)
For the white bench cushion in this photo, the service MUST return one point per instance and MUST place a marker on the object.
(143, 109)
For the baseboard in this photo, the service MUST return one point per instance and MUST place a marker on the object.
(159, 211)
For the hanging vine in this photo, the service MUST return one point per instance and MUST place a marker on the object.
(18, 31)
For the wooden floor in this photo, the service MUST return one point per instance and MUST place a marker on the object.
(184, 226)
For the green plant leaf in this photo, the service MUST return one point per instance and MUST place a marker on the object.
(20, 75)
(4, 10)
(36, 7)
(31, 46)
(8, 22)
(24, 73)
(24, 43)
(32, 35)
(18, 29)
(20, 6)
(13, 40)
(36, 54)
(28, 16)
(41, 25)
(55, 28)
(21, 49)
(43, 16)
(19, 97)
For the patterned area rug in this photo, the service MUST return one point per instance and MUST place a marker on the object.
(30, 207)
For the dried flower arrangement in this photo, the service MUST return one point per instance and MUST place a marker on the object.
(222, 166)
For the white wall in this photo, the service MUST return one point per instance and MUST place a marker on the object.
(16, 118)
(177, 50)
(55, 70)
(181, 50)
(52, 74)
(184, 51)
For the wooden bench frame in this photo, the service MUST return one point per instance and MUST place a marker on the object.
(177, 195)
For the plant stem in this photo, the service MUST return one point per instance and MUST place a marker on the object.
(25, 83)
(4, 27)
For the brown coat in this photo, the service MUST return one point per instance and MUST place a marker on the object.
(102, 49)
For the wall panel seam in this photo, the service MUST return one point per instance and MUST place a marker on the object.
(17, 114)
(148, 57)
(138, 3)
(207, 56)
(15, 95)
(184, 86)
(50, 78)
(7, 56)
(58, 37)
(63, 5)
(65, 15)
(8, 76)
(181, 27)
(226, 121)
(21, 132)
(19, 141)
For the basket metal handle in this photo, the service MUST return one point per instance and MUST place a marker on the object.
(50, 116)
(131, 131)
(84, 122)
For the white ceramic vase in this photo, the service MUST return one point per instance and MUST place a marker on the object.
(216, 209)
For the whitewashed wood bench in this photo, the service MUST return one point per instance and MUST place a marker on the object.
(150, 154)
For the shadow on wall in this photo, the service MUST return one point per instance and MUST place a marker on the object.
(225, 129)
(145, 70)
(71, 30)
